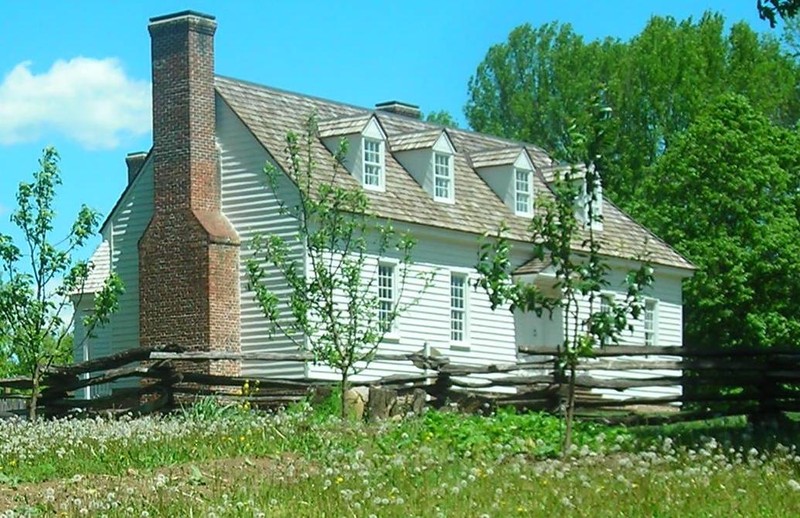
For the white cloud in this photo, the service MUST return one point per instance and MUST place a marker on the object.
(3, 210)
(91, 101)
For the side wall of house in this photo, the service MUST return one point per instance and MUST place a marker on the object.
(253, 208)
(88, 348)
(122, 232)
(425, 326)
(666, 292)
(126, 227)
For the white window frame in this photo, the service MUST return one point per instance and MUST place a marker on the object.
(387, 304)
(447, 177)
(463, 310)
(368, 165)
(650, 332)
(527, 194)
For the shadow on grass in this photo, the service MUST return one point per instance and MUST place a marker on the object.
(731, 432)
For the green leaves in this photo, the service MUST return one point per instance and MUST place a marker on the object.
(38, 276)
(329, 304)
(542, 86)
(733, 185)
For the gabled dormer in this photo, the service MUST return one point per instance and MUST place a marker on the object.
(509, 172)
(580, 177)
(429, 156)
(366, 147)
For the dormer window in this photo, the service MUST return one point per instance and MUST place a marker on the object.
(373, 173)
(366, 145)
(523, 195)
(442, 177)
(509, 172)
(429, 156)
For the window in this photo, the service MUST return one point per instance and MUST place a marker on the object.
(442, 177)
(458, 307)
(606, 301)
(522, 191)
(386, 296)
(373, 164)
(650, 322)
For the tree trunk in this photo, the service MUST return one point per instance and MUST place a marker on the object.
(570, 412)
(34, 393)
(343, 395)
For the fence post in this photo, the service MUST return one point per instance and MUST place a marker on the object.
(440, 389)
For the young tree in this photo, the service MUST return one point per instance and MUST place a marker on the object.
(581, 276)
(335, 306)
(37, 278)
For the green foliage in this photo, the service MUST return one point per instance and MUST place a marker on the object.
(442, 118)
(535, 434)
(725, 194)
(580, 269)
(657, 83)
(771, 10)
(333, 309)
(35, 335)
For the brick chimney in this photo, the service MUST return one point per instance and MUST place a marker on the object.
(189, 253)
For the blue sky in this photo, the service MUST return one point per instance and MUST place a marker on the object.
(76, 74)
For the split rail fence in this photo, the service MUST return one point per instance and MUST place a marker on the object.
(633, 385)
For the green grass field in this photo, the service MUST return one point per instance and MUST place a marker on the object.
(213, 462)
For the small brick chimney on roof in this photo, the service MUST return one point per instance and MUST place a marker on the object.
(189, 254)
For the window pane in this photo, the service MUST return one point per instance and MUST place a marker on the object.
(650, 324)
(442, 176)
(385, 296)
(373, 170)
(522, 190)
(458, 313)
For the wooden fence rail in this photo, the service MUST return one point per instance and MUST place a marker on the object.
(619, 384)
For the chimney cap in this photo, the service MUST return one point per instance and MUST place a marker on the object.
(181, 14)
(400, 108)
(136, 154)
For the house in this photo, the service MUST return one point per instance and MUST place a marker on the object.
(178, 235)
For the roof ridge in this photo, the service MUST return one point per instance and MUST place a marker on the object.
(431, 125)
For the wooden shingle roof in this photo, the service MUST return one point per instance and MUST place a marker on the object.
(271, 113)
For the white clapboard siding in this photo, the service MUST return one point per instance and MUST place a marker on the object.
(666, 290)
(252, 208)
(426, 324)
(125, 228)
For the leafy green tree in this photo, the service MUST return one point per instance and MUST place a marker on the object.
(442, 118)
(335, 310)
(581, 276)
(31, 310)
(771, 10)
(541, 81)
(791, 36)
(725, 194)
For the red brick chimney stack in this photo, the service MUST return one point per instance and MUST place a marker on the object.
(189, 254)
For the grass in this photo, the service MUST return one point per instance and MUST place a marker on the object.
(228, 462)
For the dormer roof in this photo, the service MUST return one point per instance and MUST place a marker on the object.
(415, 140)
(341, 126)
(499, 157)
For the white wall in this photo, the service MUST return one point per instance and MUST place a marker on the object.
(490, 334)
(125, 228)
(253, 208)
